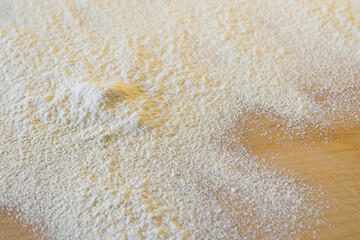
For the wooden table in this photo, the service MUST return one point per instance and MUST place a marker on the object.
(332, 162)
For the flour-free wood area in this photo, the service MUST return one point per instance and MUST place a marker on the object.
(331, 162)
(11, 228)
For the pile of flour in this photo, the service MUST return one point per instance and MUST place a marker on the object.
(112, 112)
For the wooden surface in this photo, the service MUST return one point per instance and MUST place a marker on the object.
(330, 161)
(11, 228)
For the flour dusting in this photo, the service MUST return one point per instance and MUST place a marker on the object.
(113, 114)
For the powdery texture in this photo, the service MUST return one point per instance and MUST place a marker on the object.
(111, 112)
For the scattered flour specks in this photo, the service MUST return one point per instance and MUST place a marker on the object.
(109, 111)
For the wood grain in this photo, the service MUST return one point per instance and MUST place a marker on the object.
(330, 161)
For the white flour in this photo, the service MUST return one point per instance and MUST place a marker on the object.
(111, 112)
